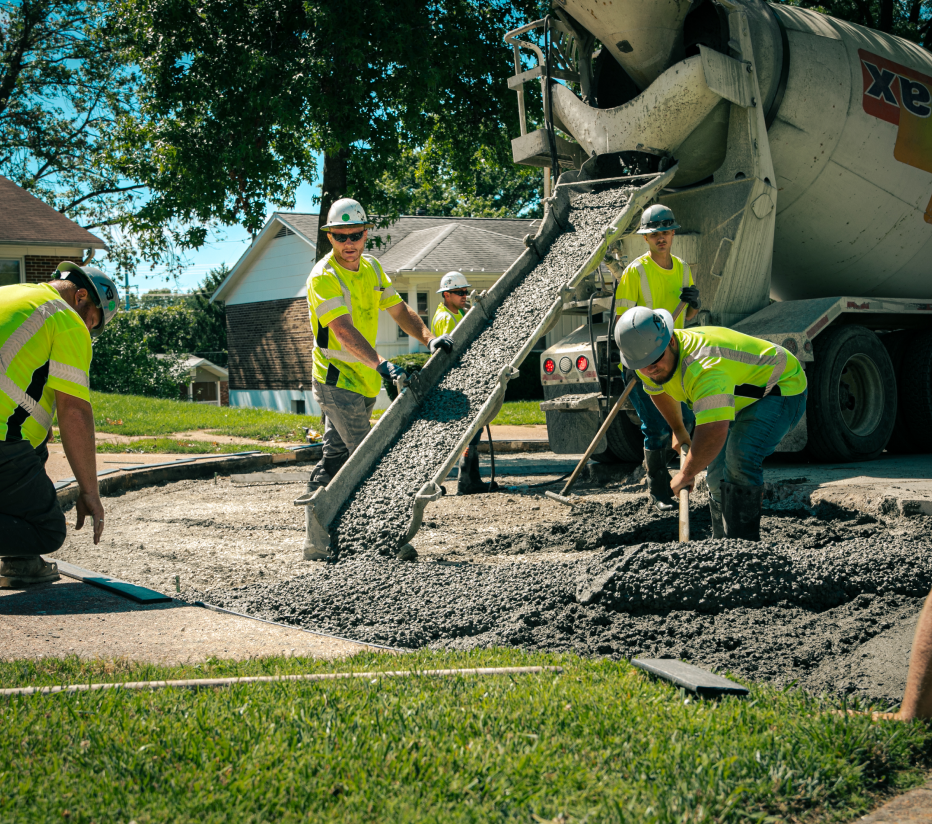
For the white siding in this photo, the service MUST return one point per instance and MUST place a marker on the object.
(280, 399)
(279, 271)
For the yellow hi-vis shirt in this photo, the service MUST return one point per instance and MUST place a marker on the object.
(332, 292)
(644, 283)
(720, 372)
(44, 347)
(445, 321)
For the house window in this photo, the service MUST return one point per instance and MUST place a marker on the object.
(298, 407)
(9, 272)
(422, 312)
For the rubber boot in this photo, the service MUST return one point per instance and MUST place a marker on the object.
(19, 572)
(741, 511)
(718, 528)
(325, 471)
(475, 477)
(658, 480)
(470, 481)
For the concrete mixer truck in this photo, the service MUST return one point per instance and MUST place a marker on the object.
(803, 154)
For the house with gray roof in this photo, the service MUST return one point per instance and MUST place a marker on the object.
(35, 238)
(268, 331)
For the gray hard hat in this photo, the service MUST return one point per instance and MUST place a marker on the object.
(346, 212)
(103, 291)
(642, 334)
(657, 218)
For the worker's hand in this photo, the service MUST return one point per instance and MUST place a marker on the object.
(89, 506)
(690, 296)
(390, 370)
(444, 342)
(680, 481)
(680, 439)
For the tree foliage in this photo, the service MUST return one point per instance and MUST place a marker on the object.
(64, 86)
(240, 96)
(125, 361)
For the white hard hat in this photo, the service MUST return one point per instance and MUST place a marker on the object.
(642, 334)
(451, 281)
(103, 291)
(346, 212)
(658, 218)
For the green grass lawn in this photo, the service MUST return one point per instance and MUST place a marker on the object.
(137, 416)
(134, 415)
(171, 445)
(600, 742)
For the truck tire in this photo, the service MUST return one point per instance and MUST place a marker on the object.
(625, 440)
(851, 408)
(916, 392)
(895, 343)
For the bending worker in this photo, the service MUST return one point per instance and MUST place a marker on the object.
(455, 291)
(746, 394)
(346, 290)
(658, 280)
(45, 347)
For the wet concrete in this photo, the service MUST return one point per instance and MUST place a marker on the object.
(376, 515)
(802, 606)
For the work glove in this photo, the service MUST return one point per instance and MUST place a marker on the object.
(390, 370)
(444, 342)
(690, 296)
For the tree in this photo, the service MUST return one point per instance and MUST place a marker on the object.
(239, 97)
(63, 88)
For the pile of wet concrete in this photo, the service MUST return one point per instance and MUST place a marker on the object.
(798, 607)
(375, 517)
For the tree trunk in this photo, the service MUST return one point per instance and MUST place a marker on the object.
(886, 16)
(333, 187)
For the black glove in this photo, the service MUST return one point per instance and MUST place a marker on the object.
(390, 370)
(690, 296)
(444, 342)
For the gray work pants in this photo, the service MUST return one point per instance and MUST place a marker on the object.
(31, 521)
(346, 421)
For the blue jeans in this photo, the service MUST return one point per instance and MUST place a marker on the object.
(753, 436)
(656, 431)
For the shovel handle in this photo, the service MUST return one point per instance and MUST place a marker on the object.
(684, 500)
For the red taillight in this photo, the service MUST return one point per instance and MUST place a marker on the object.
(582, 363)
(549, 366)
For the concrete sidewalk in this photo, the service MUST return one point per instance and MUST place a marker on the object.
(71, 618)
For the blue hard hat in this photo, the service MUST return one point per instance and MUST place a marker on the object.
(658, 218)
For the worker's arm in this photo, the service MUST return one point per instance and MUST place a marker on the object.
(691, 313)
(672, 412)
(708, 440)
(76, 425)
(410, 322)
(352, 342)
(917, 700)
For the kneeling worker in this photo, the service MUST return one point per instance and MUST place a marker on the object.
(746, 394)
(346, 290)
(455, 291)
(45, 346)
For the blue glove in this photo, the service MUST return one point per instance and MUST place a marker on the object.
(444, 342)
(390, 370)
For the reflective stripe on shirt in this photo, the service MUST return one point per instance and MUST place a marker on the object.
(778, 360)
(645, 285)
(68, 373)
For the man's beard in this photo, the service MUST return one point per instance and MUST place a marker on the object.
(662, 379)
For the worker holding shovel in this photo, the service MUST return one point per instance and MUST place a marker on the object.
(454, 288)
(746, 394)
(658, 280)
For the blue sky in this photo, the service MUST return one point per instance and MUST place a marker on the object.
(224, 246)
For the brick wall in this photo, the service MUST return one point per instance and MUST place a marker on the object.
(270, 345)
(41, 268)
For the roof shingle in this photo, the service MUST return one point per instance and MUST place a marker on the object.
(26, 219)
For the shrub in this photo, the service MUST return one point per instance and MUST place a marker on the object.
(125, 363)
(410, 363)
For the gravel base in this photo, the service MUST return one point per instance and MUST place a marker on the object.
(795, 608)
(375, 517)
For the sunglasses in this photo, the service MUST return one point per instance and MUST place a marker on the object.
(461, 292)
(344, 238)
(660, 224)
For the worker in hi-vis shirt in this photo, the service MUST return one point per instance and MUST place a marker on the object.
(346, 291)
(454, 288)
(658, 280)
(45, 349)
(746, 394)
